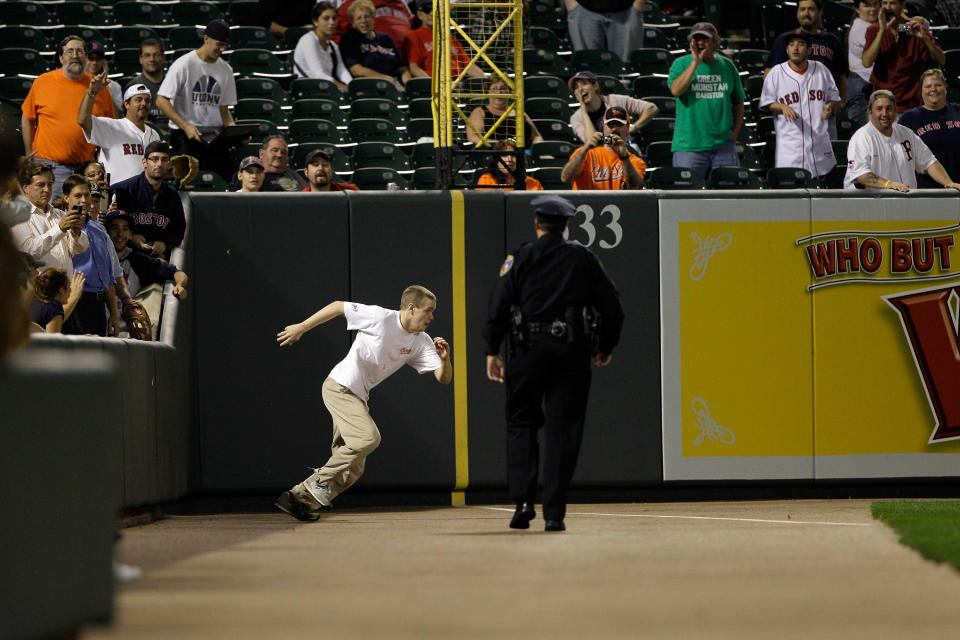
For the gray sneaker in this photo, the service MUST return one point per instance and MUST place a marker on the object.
(320, 492)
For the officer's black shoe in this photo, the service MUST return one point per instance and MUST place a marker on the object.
(554, 525)
(522, 516)
(286, 502)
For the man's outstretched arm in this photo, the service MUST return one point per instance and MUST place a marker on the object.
(294, 332)
(445, 373)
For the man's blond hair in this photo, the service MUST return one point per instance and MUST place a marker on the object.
(415, 295)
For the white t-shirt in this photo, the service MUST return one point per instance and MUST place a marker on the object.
(898, 157)
(382, 346)
(116, 93)
(310, 60)
(858, 38)
(121, 145)
(805, 142)
(197, 89)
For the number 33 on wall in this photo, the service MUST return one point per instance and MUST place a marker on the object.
(590, 229)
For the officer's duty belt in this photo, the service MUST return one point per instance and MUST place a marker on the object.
(552, 328)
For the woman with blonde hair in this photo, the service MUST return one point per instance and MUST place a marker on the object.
(368, 53)
(483, 118)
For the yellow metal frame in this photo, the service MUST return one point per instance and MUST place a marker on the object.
(448, 92)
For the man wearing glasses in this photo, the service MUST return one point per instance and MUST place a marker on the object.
(153, 204)
(49, 121)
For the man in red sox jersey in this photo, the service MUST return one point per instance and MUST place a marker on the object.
(121, 141)
(803, 97)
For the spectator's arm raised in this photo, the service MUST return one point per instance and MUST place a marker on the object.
(683, 81)
(85, 113)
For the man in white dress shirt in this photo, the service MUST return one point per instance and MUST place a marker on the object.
(386, 340)
(122, 140)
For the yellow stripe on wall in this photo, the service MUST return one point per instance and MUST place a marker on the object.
(458, 238)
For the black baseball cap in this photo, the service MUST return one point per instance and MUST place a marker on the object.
(553, 207)
(218, 30)
(581, 75)
(95, 48)
(317, 153)
(118, 215)
(799, 34)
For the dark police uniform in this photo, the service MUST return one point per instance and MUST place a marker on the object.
(550, 281)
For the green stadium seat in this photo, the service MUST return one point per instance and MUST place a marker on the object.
(610, 84)
(658, 154)
(655, 38)
(198, 14)
(419, 88)
(653, 85)
(420, 108)
(733, 178)
(551, 153)
(317, 88)
(650, 60)
(27, 14)
(840, 150)
(341, 163)
(377, 108)
(542, 62)
(260, 63)
(419, 128)
(674, 178)
(130, 37)
(424, 178)
(315, 130)
(88, 14)
(424, 155)
(377, 178)
(834, 179)
(126, 61)
(544, 38)
(266, 88)
(547, 87)
(658, 130)
(652, 14)
(317, 108)
(373, 130)
(380, 154)
(546, 15)
(549, 177)
(253, 38)
(552, 129)
(751, 60)
(547, 108)
(24, 37)
(749, 156)
(14, 88)
(136, 12)
(365, 88)
(244, 13)
(949, 38)
(666, 104)
(184, 37)
(753, 86)
(264, 127)
(598, 61)
(258, 109)
(208, 181)
(292, 36)
(789, 178)
(22, 61)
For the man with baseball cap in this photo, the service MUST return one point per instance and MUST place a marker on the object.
(546, 291)
(709, 104)
(319, 172)
(195, 95)
(123, 140)
(250, 175)
(604, 161)
(588, 119)
(97, 64)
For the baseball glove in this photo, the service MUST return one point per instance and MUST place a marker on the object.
(185, 168)
(138, 322)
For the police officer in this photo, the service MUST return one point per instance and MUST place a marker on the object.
(544, 303)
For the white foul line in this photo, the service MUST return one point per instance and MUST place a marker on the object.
(647, 515)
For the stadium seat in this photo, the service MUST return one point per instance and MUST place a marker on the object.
(655, 38)
(315, 130)
(749, 156)
(27, 14)
(292, 36)
(317, 108)
(789, 178)
(244, 13)
(952, 66)
(126, 61)
(552, 153)
(598, 61)
(15, 89)
(187, 13)
(845, 126)
(380, 154)
(24, 37)
(259, 108)
(136, 12)
(542, 62)
(253, 38)
(317, 88)
(208, 181)
(377, 178)
(78, 12)
(840, 150)
(658, 130)
(549, 177)
(424, 155)
(753, 86)
(184, 38)
(751, 60)
(249, 149)
(341, 163)
(650, 86)
(674, 178)
(666, 104)
(260, 63)
(365, 88)
(547, 87)
(652, 14)
(658, 154)
(547, 15)
(130, 37)
(548, 39)
(22, 61)
(266, 88)
(420, 108)
(425, 177)
(556, 130)
(650, 60)
(419, 128)
(264, 127)
(377, 108)
(374, 130)
(733, 178)
(610, 84)
(834, 179)
(419, 88)
(949, 38)
(551, 108)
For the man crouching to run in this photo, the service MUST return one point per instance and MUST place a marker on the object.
(386, 340)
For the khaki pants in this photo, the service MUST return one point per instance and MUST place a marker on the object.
(355, 436)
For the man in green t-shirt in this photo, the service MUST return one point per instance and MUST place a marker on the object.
(709, 104)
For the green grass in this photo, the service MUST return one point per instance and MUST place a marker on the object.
(930, 527)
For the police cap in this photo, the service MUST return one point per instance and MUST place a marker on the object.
(553, 207)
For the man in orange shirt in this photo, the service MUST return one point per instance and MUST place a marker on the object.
(604, 162)
(418, 48)
(49, 121)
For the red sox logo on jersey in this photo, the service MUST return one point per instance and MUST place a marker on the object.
(132, 149)
(930, 317)
(794, 97)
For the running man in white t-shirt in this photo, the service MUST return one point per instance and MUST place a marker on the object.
(885, 155)
(386, 340)
(122, 140)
